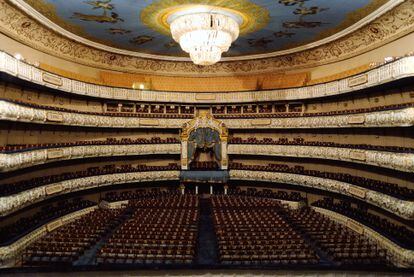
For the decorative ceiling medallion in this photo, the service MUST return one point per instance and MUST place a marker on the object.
(156, 15)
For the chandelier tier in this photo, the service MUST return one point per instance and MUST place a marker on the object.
(205, 33)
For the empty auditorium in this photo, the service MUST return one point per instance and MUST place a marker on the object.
(206, 138)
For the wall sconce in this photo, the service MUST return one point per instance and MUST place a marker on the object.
(141, 86)
(19, 57)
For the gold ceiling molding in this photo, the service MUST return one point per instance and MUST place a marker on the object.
(155, 16)
(388, 27)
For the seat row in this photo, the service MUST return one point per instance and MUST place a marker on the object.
(313, 114)
(207, 165)
(398, 233)
(173, 201)
(16, 187)
(250, 231)
(267, 193)
(59, 247)
(161, 230)
(253, 231)
(115, 196)
(117, 114)
(109, 141)
(349, 247)
(28, 223)
(302, 142)
(232, 113)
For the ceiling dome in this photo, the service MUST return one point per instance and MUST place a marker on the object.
(269, 28)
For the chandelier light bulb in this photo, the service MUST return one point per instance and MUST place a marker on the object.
(205, 33)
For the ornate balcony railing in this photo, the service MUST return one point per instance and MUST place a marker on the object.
(389, 118)
(397, 161)
(398, 255)
(401, 208)
(18, 160)
(10, 252)
(398, 69)
(9, 204)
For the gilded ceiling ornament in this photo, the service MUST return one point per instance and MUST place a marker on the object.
(254, 16)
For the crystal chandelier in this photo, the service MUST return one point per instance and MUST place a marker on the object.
(205, 32)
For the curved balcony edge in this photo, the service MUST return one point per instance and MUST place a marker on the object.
(397, 161)
(401, 208)
(19, 160)
(398, 255)
(390, 118)
(394, 70)
(15, 202)
(7, 253)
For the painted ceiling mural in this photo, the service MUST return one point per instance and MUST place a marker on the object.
(139, 25)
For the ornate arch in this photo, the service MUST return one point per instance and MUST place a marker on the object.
(206, 121)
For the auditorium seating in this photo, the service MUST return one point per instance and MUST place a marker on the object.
(397, 233)
(28, 223)
(234, 109)
(65, 245)
(130, 141)
(109, 141)
(344, 246)
(189, 110)
(383, 187)
(161, 230)
(250, 109)
(267, 193)
(172, 109)
(302, 142)
(266, 108)
(115, 196)
(108, 113)
(218, 110)
(252, 231)
(12, 188)
(206, 165)
(295, 112)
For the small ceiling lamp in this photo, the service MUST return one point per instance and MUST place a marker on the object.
(205, 32)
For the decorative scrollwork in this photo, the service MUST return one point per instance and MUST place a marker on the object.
(399, 256)
(14, 161)
(397, 69)
(9, 204)
(15, 112)
(402, 208)
(397, 161)
(10, 251)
